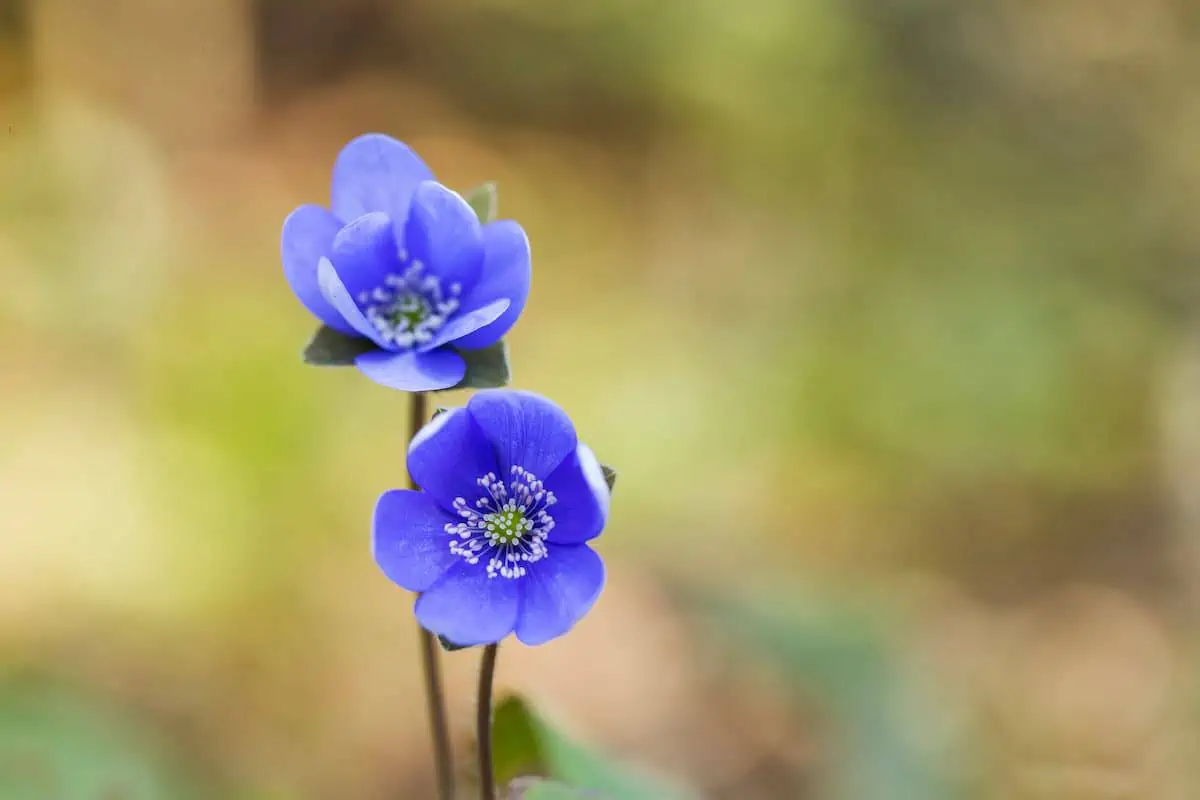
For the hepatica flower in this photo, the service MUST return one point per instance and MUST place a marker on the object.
(403, 263)
(497, 541)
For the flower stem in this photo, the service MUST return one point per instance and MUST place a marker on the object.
(437, 716)
(434, 696)
(483, 719)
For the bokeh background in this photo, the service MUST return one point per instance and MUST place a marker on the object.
(884, 309)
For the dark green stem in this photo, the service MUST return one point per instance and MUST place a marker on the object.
(483, 720)
(430, 653)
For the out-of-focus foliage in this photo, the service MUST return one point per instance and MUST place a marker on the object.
(540, 789)
(883, 722)
(54, 743)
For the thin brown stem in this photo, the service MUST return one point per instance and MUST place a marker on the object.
(483, 720)
(430, 654)
(438, 727)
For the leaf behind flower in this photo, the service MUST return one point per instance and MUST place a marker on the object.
(525, 744)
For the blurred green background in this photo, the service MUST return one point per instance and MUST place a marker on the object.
(884, 309)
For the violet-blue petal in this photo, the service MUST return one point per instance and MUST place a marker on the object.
(507, 272)
(582, 498)
(468, 608)
(411, 371)
(558, 591)
(526, 429)
(443, 233)
(462, 324)
(307, 238)
(333, 290)
(409, 539)
(448, 456)
(375, 172)
(364, 254)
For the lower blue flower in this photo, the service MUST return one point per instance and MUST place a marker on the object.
(496, 542)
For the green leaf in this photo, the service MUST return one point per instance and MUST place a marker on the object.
(446, 644)
(437, 412)
(516, 746)
(610, 476)
(484, 201)
(486, 368)
(525, 745)
(331, 348)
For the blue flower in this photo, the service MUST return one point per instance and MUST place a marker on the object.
(496, 543)
(403, 262)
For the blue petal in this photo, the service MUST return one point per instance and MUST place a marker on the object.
(468, 608)
(376, 173)
(526, 429)
(364, 254)
(582, 495)
(448, 456)
(507, 272)
(307, 238)
(413, 372)
(409, 539)
(443, 233)
(463, 324)
(339, 297)
(558, 591)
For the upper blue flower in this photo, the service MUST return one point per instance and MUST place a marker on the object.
(496, 542)
(403, 261)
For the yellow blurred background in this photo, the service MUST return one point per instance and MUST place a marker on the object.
(884, 309)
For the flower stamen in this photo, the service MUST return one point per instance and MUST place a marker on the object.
(410, 307)
(508, 525)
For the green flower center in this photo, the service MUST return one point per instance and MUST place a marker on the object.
(410, 307)
(506, 526)
(408, 312)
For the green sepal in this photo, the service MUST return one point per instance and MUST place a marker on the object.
(332, 348)
(486, 368)
(446, 644)
(484, 201)
(610, 476)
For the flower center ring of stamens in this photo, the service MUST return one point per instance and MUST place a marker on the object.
(509, 524)
(410, 307)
